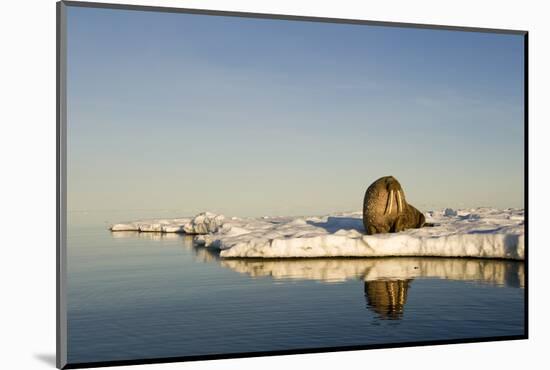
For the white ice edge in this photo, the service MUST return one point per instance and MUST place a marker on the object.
(477, 232)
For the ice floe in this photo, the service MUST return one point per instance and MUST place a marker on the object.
(477, 232)
(203, 223)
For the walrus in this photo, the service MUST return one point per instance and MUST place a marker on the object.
(385, 209)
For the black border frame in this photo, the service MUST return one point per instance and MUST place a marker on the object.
(61, 142)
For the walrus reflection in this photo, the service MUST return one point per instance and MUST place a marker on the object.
(386, 210)
(387, 297)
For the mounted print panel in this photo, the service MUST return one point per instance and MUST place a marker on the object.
(234, 184)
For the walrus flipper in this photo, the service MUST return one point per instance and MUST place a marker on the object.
(402, 223)
(389, 203)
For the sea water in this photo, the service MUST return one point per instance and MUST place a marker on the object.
(145, 295)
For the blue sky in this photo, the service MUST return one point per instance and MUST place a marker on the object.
(253, 116)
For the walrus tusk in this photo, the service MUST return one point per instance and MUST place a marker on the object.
(399, 202)
(389, 204)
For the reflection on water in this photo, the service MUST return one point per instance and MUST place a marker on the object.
(387, 297)
(497, 272)
(201, 254)
(386, 280)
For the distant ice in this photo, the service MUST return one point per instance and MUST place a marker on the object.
(203, 223)
(479, 232)
(449, 212)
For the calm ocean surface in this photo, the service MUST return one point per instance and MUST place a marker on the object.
(143, 295)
